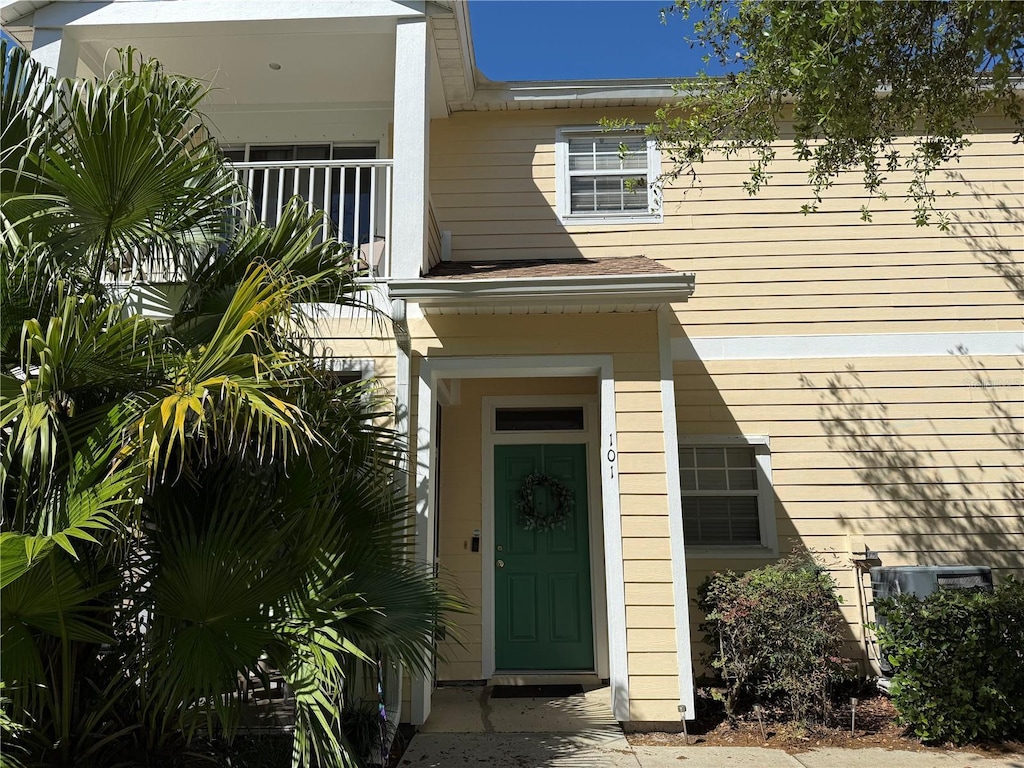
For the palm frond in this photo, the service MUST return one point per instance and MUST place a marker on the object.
(84, 348)
(127, 170)
(310, 270)
(227, 395)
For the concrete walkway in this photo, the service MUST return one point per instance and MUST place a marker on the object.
(468, 728)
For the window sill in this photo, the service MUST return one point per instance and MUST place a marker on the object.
(611, 219)
(697, 552)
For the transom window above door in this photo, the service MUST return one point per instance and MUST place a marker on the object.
(606, 177)
(539, 419)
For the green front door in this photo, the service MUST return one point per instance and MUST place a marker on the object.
(542, 604)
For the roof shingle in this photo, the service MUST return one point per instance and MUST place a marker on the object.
(540, 268)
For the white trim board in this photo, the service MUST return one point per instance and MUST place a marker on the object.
(848, 345)
(675, 519)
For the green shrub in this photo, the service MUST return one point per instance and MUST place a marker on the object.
(778, 635)
(959, 660)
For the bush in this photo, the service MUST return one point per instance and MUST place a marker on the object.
(778, 634)
(959, 660)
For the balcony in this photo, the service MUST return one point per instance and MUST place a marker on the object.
(355, 194)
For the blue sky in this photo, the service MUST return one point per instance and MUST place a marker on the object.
(579, 39)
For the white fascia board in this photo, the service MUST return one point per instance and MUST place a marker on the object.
(654, 288)
(588, 89)
(578, 95)
(199, 11)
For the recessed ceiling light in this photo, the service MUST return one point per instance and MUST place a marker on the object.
(274, 66)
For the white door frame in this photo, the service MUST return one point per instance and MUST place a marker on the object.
(588, 436)
(431, 370)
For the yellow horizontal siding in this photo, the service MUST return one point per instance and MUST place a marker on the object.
(645, 526)
(650, 617)
(760, 263)
(664, 687)
(864, 474)
(507, 207)
(653, 548)
(651, 640)
(653, 711)
(956, 454)
(647, 571)
(649, 594)
(644, 461)
(998, 520)
(928, 479)
(653, 235)
(645, 505)
(904, 393)
(639, 484)
(650, 663)
(637, 402)
(638, 442)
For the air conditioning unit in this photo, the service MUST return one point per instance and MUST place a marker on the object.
(922, 580)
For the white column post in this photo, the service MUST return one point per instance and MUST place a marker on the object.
(55, 51)
(615, 579)
(675, 514)
(411, 138)
(426, 465)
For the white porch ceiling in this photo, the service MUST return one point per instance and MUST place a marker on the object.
(331, 66)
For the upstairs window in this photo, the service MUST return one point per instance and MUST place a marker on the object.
(728, 501)
(606, 176)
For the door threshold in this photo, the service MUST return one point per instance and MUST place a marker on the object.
(586, 679)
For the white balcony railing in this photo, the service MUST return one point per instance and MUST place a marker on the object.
(355, 195)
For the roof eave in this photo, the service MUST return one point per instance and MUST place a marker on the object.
(536, 291)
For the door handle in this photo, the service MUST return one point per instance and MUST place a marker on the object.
(500, 563)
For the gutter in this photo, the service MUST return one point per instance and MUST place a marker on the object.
(619, 289)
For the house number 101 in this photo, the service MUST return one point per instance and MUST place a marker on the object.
(611, 456)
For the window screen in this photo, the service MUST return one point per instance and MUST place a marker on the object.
(720, 495)
(608, 174)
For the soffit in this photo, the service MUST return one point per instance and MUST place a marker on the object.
(14, 15)
(453, 49)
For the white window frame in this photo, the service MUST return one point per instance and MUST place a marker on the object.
(769, 546)
(563, 200)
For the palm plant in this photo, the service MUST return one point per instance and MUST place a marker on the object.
(186, 504)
